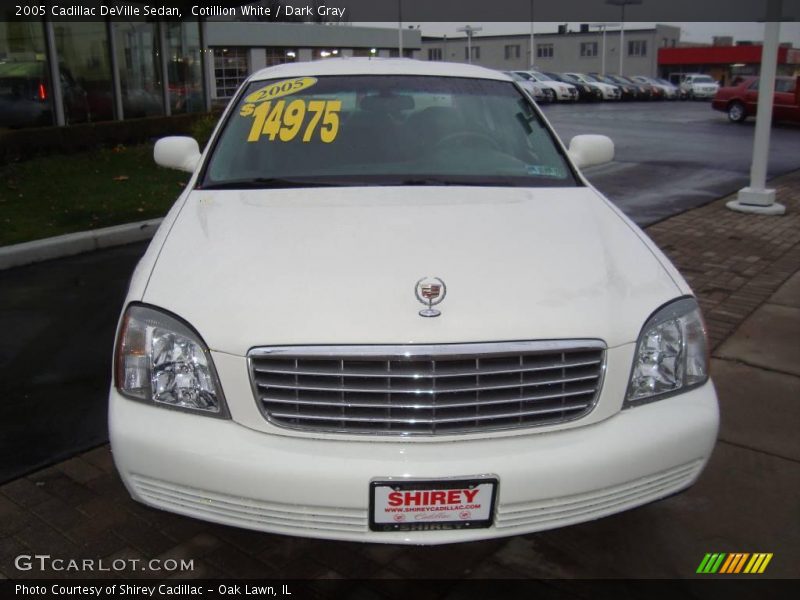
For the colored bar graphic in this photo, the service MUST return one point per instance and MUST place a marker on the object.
(726, 566)
(704, 564)
(711, 562)
(741, 562)
(734, 563)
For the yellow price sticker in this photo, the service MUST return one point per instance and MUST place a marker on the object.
(279, 121)
(279, 89)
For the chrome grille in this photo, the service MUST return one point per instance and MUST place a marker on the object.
(427, 389)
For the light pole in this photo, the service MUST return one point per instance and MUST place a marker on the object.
(469, 30)
(757, 198)
(400, 28)
(603, 54)
(531, 63)
(603, 27)
(622, 4)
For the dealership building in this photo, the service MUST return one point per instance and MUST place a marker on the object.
(590, 49)
(724, 61)
(64, 72)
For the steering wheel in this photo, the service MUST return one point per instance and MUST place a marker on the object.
(463, 136)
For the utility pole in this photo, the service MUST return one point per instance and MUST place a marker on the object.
(622, 4)
(469, 30)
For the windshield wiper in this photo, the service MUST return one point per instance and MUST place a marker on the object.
(423, 181)
(443, 181)
(262, 183)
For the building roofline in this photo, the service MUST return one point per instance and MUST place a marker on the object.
(431, 38)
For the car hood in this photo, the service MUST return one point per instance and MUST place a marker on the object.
(339, 265)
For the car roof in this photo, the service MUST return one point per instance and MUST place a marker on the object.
(377, 66)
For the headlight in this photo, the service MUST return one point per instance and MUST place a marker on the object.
(160, 359)
(671, 354)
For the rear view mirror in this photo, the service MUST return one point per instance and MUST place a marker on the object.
(177, 152)
(591, 150)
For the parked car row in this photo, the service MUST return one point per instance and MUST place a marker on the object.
(590, 87)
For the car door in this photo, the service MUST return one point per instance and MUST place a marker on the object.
(785, 103)
(795, 114)
(751, 97)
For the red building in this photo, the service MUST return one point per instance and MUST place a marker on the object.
(723, 63)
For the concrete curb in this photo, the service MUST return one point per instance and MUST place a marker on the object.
(70, 244)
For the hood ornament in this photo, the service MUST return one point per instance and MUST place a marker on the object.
(430, 291)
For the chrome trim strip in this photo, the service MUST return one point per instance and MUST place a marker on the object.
(365, 404)
(437, 420)
(422, 374)
(440, 351)
(433, 390)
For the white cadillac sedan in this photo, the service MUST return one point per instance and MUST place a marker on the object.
(389, 308)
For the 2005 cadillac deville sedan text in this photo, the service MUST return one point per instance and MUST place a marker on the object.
(388, 307)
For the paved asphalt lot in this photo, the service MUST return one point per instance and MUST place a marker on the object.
(58, 318)
(671, 156)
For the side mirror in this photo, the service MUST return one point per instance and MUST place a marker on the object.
(177, 152)
(590, 150)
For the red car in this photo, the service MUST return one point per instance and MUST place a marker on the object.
(740, 99)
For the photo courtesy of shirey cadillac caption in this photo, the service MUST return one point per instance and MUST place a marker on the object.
(382, 298)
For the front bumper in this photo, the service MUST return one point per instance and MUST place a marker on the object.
(567, 95)
(221, 471)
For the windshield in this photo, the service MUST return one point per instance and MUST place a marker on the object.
(589, 78)
(703, 79)
(384, 130)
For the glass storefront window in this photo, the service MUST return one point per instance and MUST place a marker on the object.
(323, 53)
(85, 67)
(25, 90)
(185, 74)
(139, 65)
(230, 70)
(279, 56)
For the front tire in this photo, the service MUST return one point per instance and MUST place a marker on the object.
(736, 112)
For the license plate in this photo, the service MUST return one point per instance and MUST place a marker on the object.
(430, 505)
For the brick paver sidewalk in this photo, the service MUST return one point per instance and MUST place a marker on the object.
(734, 261)
(79, 509)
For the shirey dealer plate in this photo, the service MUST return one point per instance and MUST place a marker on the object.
(432, 505)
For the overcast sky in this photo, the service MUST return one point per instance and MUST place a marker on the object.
(692, 32)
